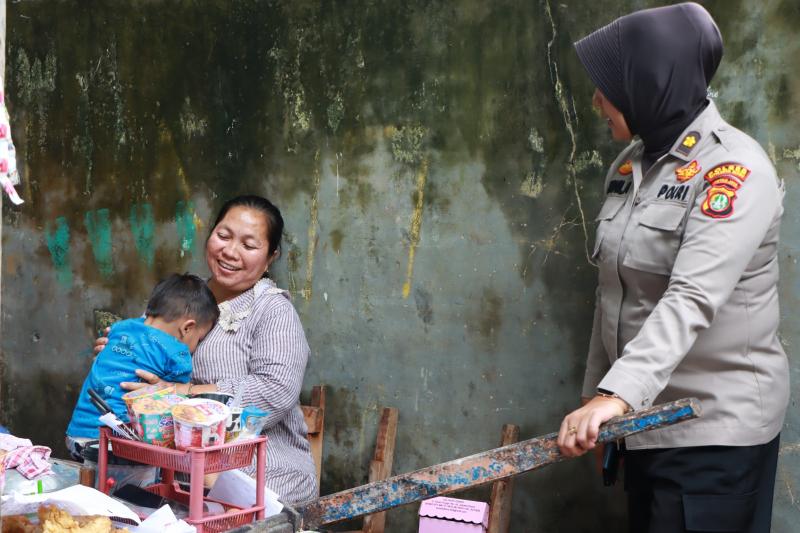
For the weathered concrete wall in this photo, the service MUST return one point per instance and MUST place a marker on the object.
(438, 165)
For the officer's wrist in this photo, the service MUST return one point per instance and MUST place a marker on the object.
(613, 395)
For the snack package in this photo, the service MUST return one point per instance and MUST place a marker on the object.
(251, 423)
(152, 419)
(150, 391)
(200, 423)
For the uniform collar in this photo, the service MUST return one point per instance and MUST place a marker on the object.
(696, 134)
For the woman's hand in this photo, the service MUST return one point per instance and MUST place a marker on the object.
(579, 430)
(101, 342)
(148, 378)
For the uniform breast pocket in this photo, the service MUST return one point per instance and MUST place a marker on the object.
(655, 241)
(609, 210)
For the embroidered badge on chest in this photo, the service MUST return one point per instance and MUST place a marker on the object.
(688, 142)
(626, 168)
(618, 187)
(687, 172)
(673, 192)
(725, 180)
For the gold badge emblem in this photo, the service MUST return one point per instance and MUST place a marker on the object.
(687, 172)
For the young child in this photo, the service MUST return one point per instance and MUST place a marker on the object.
(180, 312)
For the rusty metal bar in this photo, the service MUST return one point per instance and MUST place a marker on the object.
(478, 469)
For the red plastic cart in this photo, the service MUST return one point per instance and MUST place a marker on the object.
(196, 462)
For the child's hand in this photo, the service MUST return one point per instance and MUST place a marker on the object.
(101, 342)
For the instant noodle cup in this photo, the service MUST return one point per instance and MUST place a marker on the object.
(152, 419)
(200, 423)
(150, 391)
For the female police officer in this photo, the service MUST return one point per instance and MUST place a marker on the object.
(687, 301)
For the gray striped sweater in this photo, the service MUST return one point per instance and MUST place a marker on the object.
(258, 344)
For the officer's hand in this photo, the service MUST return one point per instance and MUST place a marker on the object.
(579, 430)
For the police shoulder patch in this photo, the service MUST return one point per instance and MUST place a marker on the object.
(729, 170)
(725, 179)
(687, 172)
(626, 168)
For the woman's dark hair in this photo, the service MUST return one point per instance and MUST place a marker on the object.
(183, 295)
(261, 204)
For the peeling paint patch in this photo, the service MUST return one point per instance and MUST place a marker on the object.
(143, 229)
(191, 124)
(536, 141)
(407, 144)
(335, 112)
(312, 232)
(532, 186)
(416, 225)
(792, 154)
(588, 159)
(58, 245)
(184, 222)
(98, 225)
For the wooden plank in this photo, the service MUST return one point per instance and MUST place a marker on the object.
(381, 466)
(314, 417)
(478, 469)
(317, 439)
(502, 491)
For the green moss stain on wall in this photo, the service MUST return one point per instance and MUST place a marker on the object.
(98, 226)
(143, 228)
(58, 244)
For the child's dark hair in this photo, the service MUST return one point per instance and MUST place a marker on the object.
(180, 295)
(261, 204)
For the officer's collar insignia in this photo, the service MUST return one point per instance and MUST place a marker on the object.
(688, 143)
(626, 168)
(687, 172)
(725, 180)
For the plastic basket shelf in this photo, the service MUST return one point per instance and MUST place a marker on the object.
(196, 462)
(217, 458)
(209, 524)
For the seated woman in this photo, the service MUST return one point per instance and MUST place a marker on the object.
(258, 343)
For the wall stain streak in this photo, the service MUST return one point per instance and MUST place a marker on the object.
(558, 87)
(143, 229)
(312, 232)
(58, 244)
(416, 224)
(184, 221)
(98, 226)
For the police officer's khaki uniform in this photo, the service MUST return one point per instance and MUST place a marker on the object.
(687, 301)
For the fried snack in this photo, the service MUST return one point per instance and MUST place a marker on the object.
(17, 523)
(54, 520)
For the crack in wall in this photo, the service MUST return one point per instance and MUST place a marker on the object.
(563, 106)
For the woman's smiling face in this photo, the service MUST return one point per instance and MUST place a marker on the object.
(237, 252)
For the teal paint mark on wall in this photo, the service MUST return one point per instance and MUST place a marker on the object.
(184, 220)
(98, 226)
(143, 228)
(58, 244)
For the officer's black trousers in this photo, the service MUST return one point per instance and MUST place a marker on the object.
(704, 488)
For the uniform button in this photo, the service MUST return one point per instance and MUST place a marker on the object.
(637, 201)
